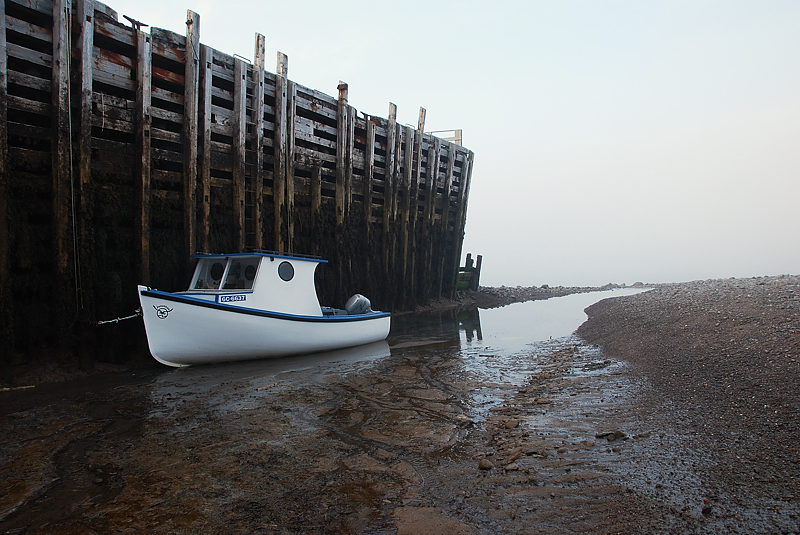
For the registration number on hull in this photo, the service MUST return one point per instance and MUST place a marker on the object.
(232, 298)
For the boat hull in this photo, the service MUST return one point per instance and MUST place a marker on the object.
(184, 331)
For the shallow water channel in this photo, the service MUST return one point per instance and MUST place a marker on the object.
(359, 440)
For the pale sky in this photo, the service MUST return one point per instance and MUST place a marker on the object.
(615, 141)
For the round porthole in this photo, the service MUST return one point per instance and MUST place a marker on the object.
(216, 271)
(250, 273)
(286, 271)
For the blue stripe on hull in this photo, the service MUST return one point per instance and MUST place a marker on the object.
(262, 313)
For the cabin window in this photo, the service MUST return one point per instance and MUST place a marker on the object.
(208, 274)
(235, 273)
(286, 271)
(241, 273)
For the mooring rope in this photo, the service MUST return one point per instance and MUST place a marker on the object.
(136, 314)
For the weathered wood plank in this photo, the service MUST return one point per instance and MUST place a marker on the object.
(351, 116)
(192, 75)
(279, 173)
(291, 98)
(109, 145)
(26, 80)
(34, 106)
(31, 30)
(258, 145)
(26, 130)
(175, 41)
(389, 187)
(166, 95)
(445, 202)
(167, 75)
(239, 133)
(85, 18)
(123, 34)
(108, 124)
(26, 54)
(142, 165)
(104, 100)
(60, 148)
(113, 64)
(169, 45)
(461, 213)
(60, 157)
(162, 176)
(205, 154)
(341, 153)
(413, 214)
(316, 204)
(112, 79)
(314, 155)
(304, 135)
(408, 157)
(42, 6)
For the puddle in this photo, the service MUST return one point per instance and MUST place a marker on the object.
(498, 347)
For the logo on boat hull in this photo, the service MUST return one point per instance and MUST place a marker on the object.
(162, 311)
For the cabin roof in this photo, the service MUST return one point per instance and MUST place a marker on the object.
(268, 254)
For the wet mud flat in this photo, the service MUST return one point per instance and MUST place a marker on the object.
(654, 419)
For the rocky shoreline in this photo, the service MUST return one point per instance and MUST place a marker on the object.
(721, 359)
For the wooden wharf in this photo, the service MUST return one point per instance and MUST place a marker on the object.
(122, 152)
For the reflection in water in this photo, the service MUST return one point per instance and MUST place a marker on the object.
(504, 330)
(470, 322)
(516, 327)
(502, 347)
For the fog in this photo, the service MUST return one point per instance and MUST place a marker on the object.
(615, 141)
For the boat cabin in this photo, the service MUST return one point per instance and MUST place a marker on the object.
(265, 281)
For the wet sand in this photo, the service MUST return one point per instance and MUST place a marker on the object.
(673, 411)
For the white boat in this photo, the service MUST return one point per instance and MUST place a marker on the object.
(246, 306)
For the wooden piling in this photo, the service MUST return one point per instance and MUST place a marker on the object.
(190, 116)
(461, 213)
(444, 230)
(61, 168)
(316, 203)
(405, 207)
(430, 213)
(279, 144)
(204, 172)
(341, 152)
(414, 216)
(142, 165)
(291, 107)
(85, 18)
(258, 146)
(239, 133)
(389, 187)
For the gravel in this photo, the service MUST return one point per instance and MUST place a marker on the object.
(722, 361)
